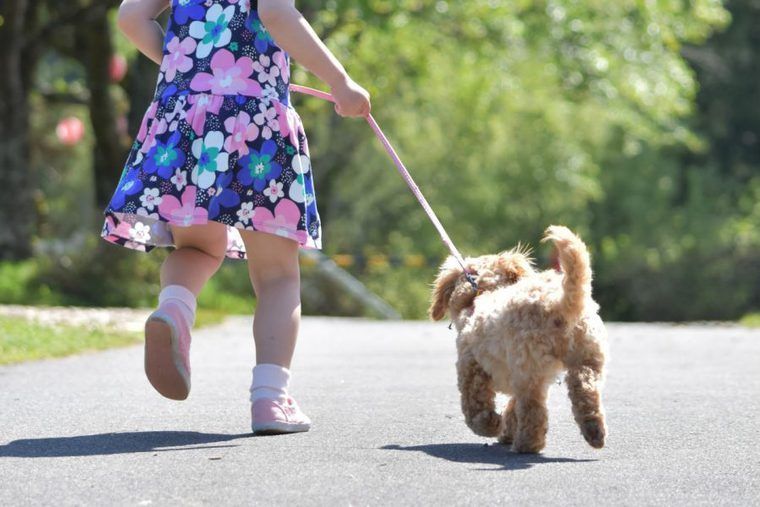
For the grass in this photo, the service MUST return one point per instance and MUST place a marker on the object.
(25, 340)
(750, 320)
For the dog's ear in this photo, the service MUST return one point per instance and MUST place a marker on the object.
(443, 287)
(514, 264)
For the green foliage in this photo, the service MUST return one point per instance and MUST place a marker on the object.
(634, 123)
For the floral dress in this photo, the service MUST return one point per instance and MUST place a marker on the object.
(220, 141)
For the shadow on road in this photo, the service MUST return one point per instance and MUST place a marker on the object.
(114, 443)
(493, 454)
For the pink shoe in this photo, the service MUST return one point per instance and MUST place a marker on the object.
(272, 417)
(167, 352)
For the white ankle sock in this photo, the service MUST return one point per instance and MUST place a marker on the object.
(184, 298)
(270, 381)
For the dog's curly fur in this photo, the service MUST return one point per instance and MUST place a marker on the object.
(518, 332)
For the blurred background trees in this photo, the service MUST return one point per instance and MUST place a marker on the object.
(634, 123)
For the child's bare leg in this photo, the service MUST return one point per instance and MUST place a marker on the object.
(275, 276)
(199, 253)
(274, 272)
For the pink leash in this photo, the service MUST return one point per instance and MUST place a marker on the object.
(404, 174)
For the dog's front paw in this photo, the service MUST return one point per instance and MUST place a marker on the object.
(505, 437)
(486, 423)
(594, 431)
(528, 446)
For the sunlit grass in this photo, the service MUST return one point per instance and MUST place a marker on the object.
(27, 340)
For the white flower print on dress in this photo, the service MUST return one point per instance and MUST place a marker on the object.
(211, 157)
(138, 159)
(179, 179)
(140, 232)
(301, 165)
(266, 73)
(245, 213)
(150, 198)
(179, 113)
(268, 94)
(274, 190)
(214, 32)
(267, 119)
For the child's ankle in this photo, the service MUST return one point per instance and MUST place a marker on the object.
(182, 298)
(270, 381)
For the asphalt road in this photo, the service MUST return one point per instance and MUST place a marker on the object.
(683, 406)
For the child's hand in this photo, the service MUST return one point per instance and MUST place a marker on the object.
(351, 99)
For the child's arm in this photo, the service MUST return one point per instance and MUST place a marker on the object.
(137, 20)
(295, 35)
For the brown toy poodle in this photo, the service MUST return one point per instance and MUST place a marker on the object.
(518, 332)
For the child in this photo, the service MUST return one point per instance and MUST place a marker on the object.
(221, 168)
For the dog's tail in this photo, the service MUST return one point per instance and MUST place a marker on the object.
(576, 265)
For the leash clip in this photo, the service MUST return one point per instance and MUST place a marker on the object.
(472, 281)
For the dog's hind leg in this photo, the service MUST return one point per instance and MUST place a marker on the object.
(508, 423)
(583, 386)
(585, 375)
(476, 389)
(532, 420)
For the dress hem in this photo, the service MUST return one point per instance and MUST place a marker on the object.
(109, 234)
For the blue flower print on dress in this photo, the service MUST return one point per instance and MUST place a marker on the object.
(259, 167)
(130, 186)
(164, 158)
(185, 10)
(223, 196)
(262, 38)
(220, 140)
(214, 32)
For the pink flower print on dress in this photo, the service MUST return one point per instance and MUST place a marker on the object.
(150, 115)
(118, 231)
(284, 222)
(145, 213)
(156, 128)
(266, 73)
(201, 105)
(241, 131)
(177, 58)
(287, 122)
(230, 76)
(267, 119)
(281, 61)
(185, 213)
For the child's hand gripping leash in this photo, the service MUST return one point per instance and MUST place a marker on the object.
(407, 177)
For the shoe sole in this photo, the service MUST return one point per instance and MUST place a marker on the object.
(275, 428)
(160, 366)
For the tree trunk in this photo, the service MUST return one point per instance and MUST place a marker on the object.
(94, 43)
(17, 212)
